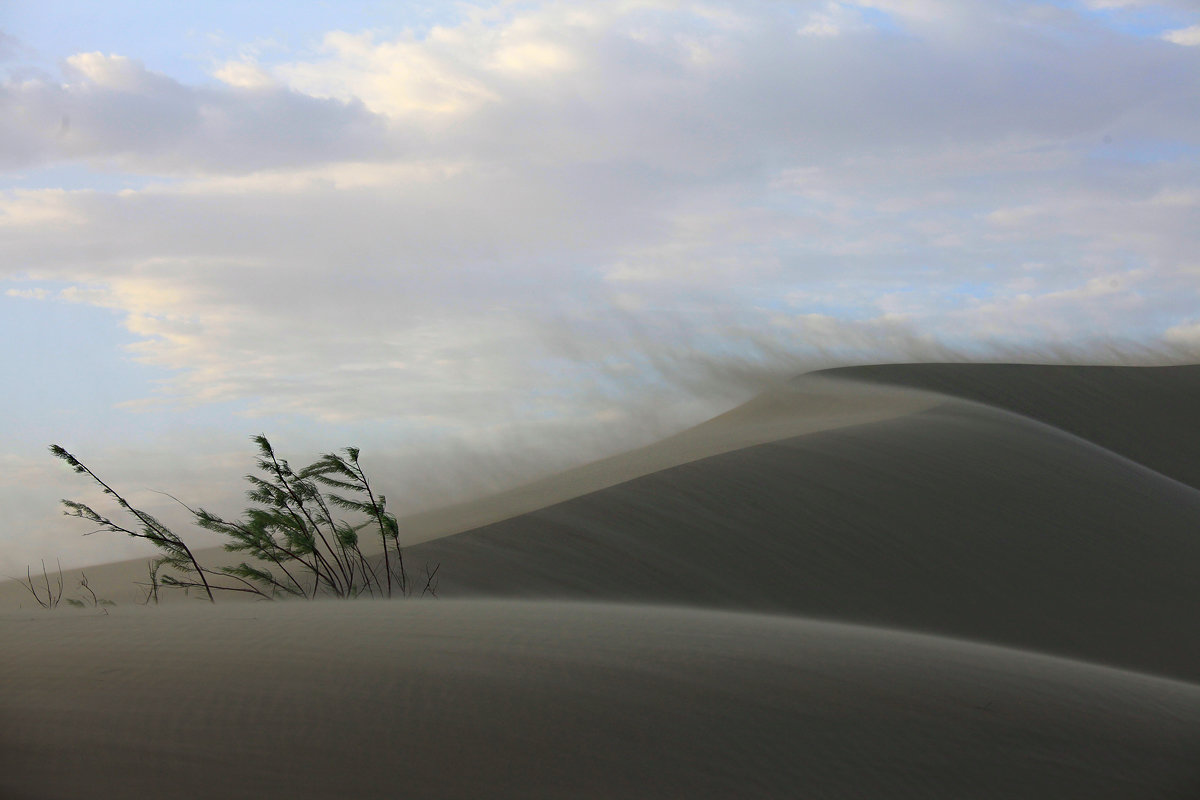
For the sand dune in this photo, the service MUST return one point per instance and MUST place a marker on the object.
(496, 699)
(898, 581)
(808, 404)
(962, 520)
(1144, 413)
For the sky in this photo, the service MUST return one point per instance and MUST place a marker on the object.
(484, 241)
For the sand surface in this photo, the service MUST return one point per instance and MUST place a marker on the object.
(502, 699)
(907, 581)
(808, 404)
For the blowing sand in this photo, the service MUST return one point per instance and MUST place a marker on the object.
(908, 581)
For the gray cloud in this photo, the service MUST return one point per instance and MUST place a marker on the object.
(558, 230)
(10, 46)
(466, 226)
(113, 112)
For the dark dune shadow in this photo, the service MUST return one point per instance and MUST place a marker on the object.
(1147, 414)
(962, 520)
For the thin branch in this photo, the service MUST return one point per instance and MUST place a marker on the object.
(154, 530)
(430, 582)
(52, 597)
(83, 582)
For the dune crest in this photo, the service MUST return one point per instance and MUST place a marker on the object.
(926, 581)
(807, 404)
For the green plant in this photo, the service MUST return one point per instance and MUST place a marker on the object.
(175, 551)
(303, 550)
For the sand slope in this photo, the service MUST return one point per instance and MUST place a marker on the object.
(962, 520)
(808, 404)
(973, 581)
(1147, 414)
(495, 699)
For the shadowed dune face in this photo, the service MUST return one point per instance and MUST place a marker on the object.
(1052, 511)
(498, 699)
(962, 520)
(1147, 414)
(858, 501)
(806, 405)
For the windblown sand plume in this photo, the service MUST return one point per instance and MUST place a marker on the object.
(915, 581)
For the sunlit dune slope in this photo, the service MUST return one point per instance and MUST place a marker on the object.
(960, 519)
(495, 699)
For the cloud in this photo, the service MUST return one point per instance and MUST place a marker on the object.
(28, 294)
(1189, 37)
(1185, 5)
(10, 46)
(244, 75)
(551, 231)
(26, 208)
(1187, 333)
(461, 228)
(114, 112)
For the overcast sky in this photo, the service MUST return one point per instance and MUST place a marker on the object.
(478, 238)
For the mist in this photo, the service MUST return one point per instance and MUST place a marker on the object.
(501, 243)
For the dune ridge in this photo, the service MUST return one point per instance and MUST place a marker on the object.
(1144, 413)
(807, 404)
(933, 581)
(960, 519)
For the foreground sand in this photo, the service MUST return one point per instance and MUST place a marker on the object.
(909, 581)
(503, 699)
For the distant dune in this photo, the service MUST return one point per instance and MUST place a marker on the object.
(949, 581)
(1147, 414)
(959, 519)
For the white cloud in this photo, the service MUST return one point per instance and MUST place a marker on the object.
(551, 211)
(418, 226)
(533, 58)
(116, 72)
(820, 26)
(25, 207)
(1189, 37)
(28, 294)
(1184, 5)
(1187, 333)
(244, 75)
(112, 111)
(392, 78)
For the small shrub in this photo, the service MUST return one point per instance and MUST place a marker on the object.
(53, 591)
(302, 549)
